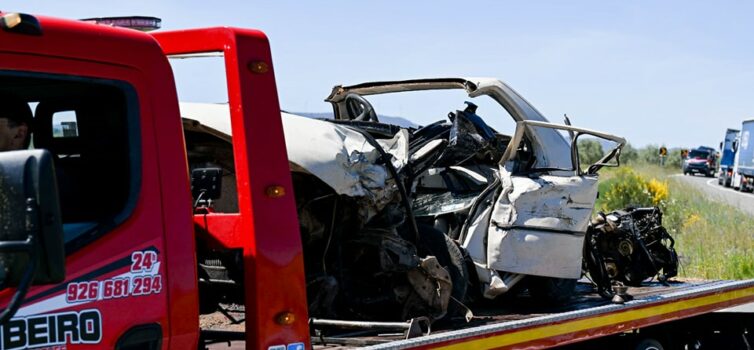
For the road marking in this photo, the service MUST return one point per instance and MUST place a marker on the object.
(731, 190)
(717, 186)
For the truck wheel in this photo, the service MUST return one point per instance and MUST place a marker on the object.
(450, 256)
(649, 344)
(550, 290)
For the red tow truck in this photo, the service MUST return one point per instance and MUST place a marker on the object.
(129, 231)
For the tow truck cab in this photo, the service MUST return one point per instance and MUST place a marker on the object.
(105, 107)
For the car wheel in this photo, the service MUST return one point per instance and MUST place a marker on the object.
(550, 290)
(649, 344)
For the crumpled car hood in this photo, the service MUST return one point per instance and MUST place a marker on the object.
(339, 156)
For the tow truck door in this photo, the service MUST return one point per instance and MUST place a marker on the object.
(91, 89)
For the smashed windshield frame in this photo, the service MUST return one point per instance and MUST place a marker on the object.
(551, 150)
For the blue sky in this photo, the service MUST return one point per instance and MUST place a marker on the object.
(674, 72)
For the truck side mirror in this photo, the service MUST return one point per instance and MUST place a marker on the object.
(31, 231)
(735, 146)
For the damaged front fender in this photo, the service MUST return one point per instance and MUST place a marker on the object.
(340, 157)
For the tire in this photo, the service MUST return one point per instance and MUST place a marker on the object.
(450, 257)
(649, 344)
(551, 290)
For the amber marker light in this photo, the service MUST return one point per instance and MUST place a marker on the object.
(20, 23)
(258, 67)
(285, 318)
(275, 191)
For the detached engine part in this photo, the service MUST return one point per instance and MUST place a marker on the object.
(628, 246)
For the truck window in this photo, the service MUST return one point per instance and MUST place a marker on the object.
(64, 124)
(91, 128)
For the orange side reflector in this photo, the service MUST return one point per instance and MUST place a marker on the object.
(285, 318)
(275, 191)
(258, 67)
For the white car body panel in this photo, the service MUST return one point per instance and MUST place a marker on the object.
(337, 155)
(537, 226)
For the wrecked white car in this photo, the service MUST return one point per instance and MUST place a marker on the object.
(404, 222)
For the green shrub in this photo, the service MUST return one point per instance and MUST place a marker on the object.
(590, 151)
(629, 188)
(629, 155)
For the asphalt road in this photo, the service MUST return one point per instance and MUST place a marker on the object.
(742, 201)
(713, 191)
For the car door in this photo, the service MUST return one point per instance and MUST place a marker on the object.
(536, 220)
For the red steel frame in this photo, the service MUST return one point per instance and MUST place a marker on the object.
(266, 227)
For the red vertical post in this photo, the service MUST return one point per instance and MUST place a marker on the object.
(276, 308)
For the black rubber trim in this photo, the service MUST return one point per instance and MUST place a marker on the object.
(536, 228)
(141, 337)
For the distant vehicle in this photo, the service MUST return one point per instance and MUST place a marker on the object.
(743, 165)
(708, 149)
(701, 160)
(728, 157)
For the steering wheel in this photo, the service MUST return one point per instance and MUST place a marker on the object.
(359, 108)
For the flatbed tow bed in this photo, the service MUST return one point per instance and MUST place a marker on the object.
(521, 324)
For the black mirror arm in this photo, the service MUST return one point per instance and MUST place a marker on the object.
(27, 246)
(23, 288)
